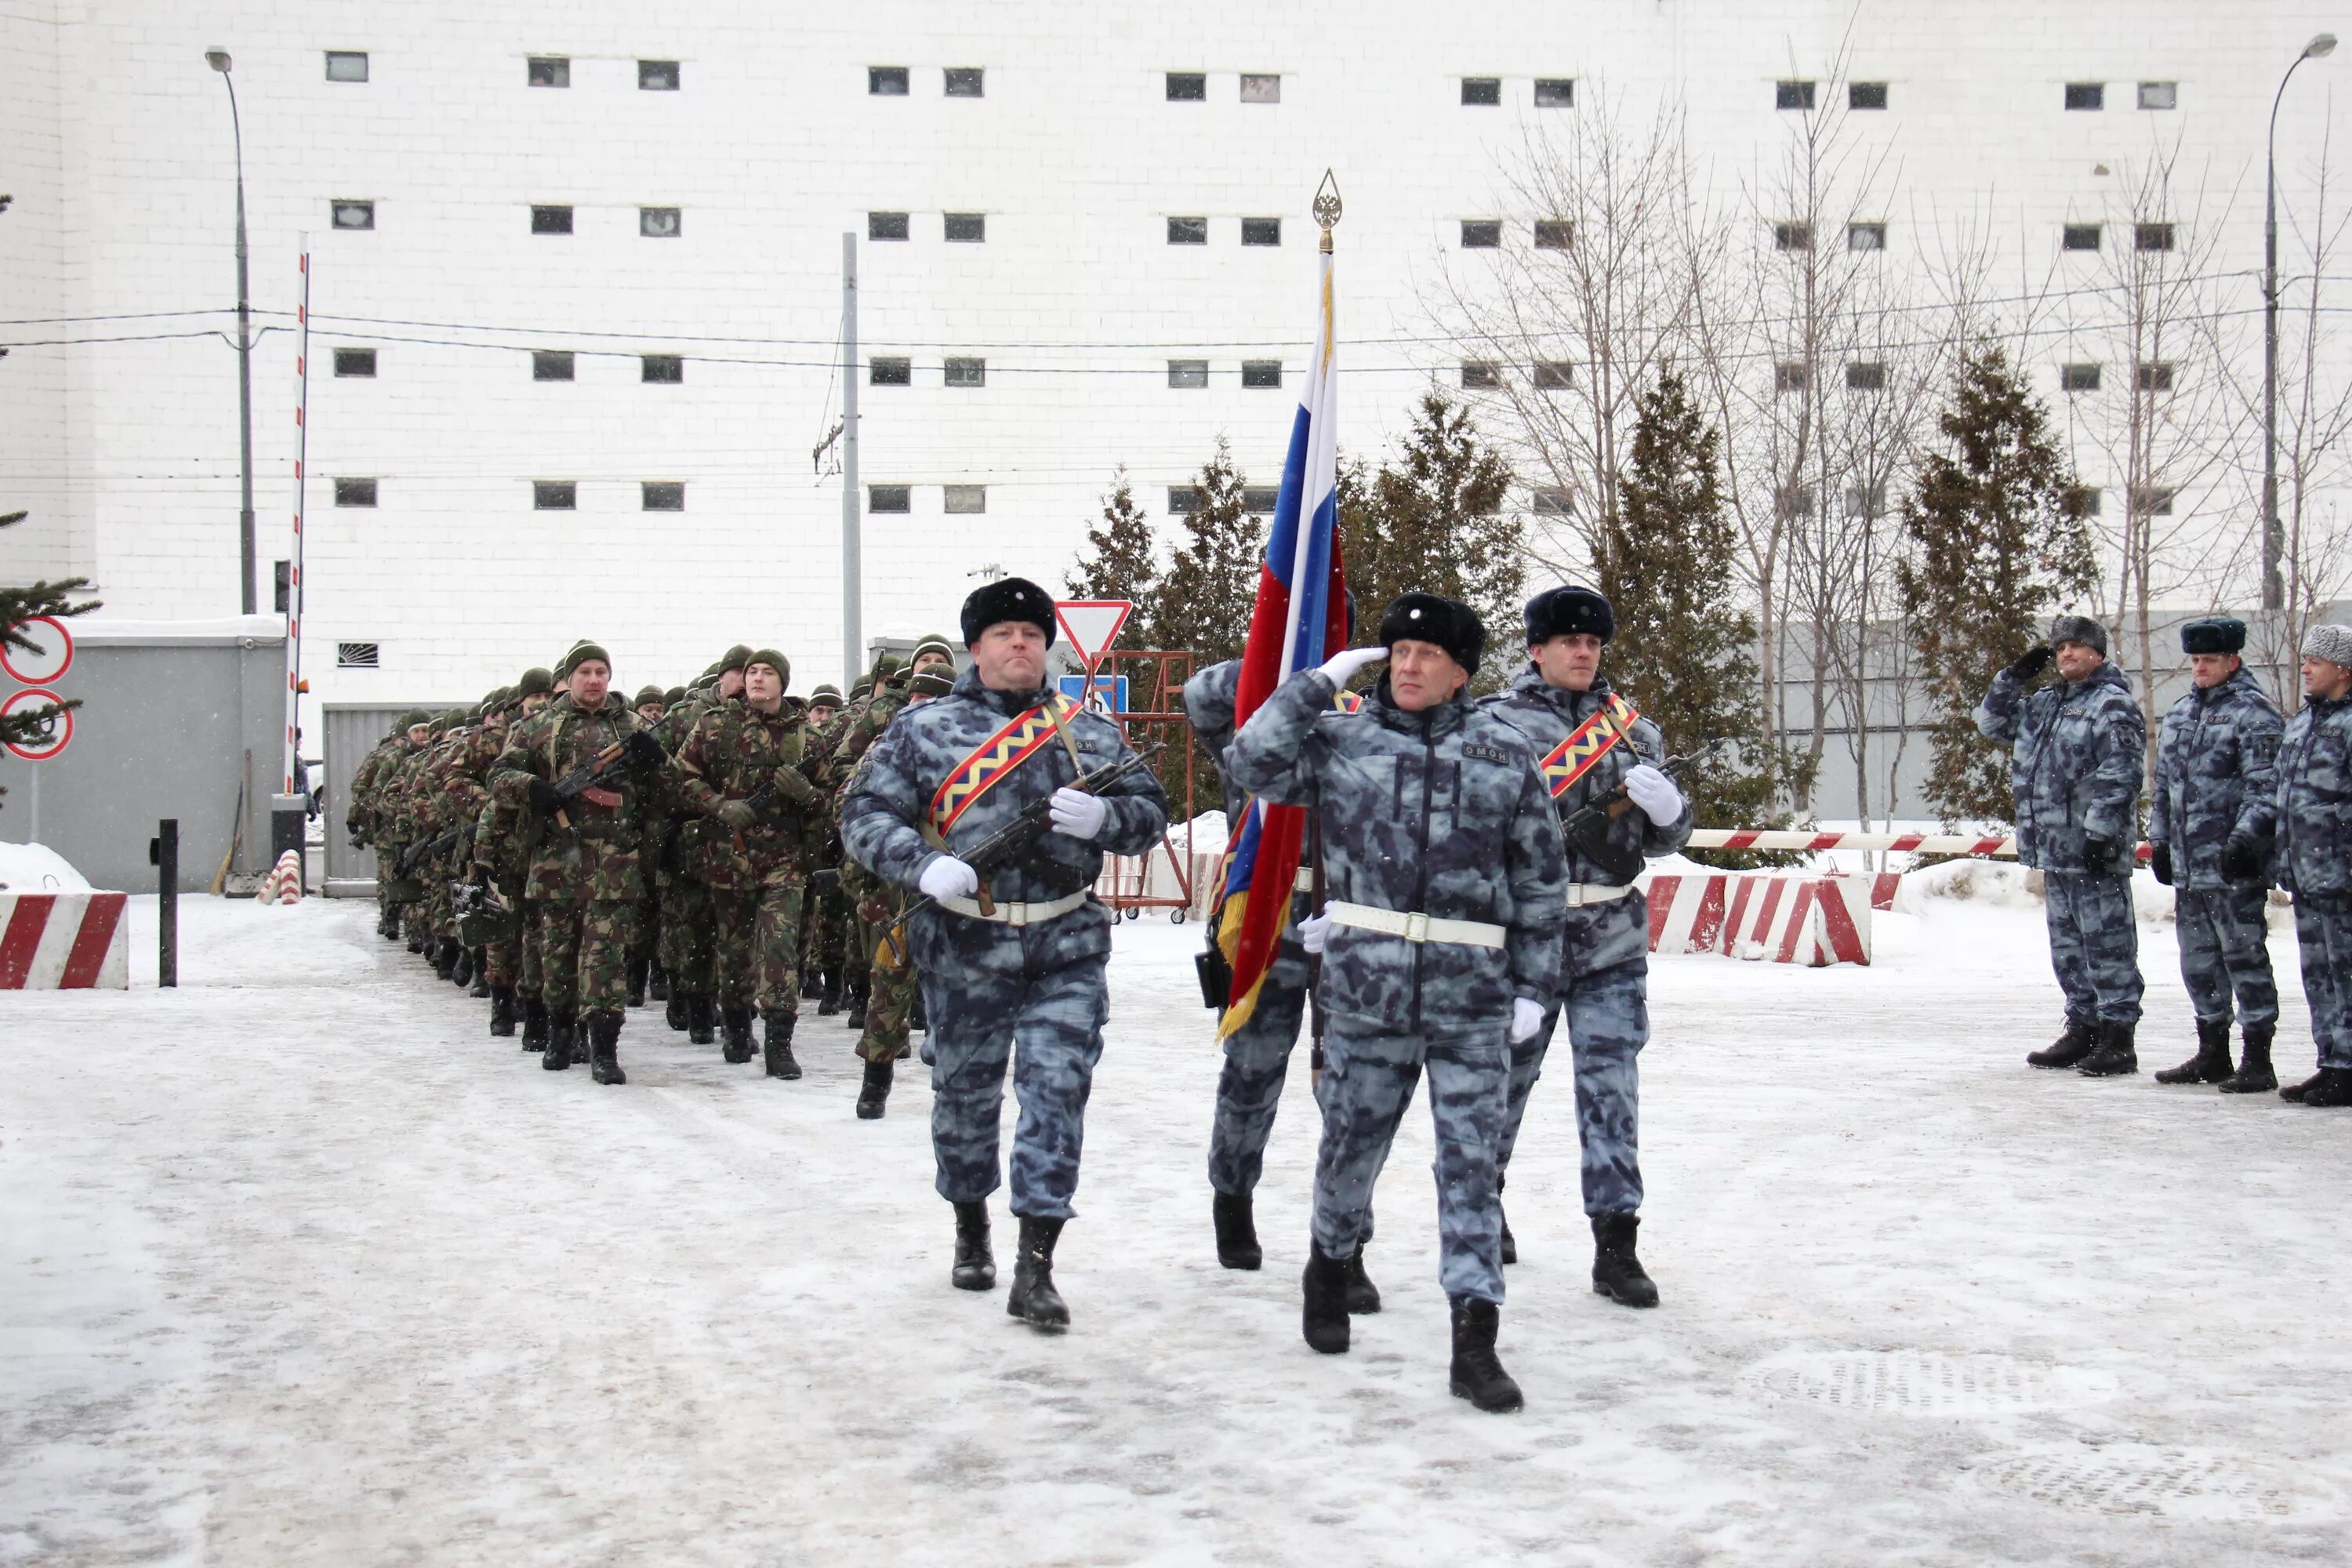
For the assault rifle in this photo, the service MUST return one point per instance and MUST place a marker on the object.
(1587, 827)
(425, 850)
(637, 749)
(482, 916)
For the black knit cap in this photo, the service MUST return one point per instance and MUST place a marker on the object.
(648, 694)
(1008, 599)
(2214, 634)
(537, 679)
(1432, 619)
(1568, 612)
(735, 658)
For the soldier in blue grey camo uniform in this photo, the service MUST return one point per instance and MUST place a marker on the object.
(1013, 976)
(2209, 831)
(2077, 748)
(1440, 945)
(2314, 854)
(1604, 986)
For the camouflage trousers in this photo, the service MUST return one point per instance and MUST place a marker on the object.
(1257, 1060)
(2225, 946)
(2323, 925)
(647, 932)
(824, 935)
(1367, 1082)
(583, 955)
(532, 970)
(1608, 1016)
(2093, 944)
(685, 946)
(889, 1009)
(759, 947)
(387, 868)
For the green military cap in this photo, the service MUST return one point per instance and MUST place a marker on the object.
(674, 696)
(774, 661)
(410, 720)
(537, 679)
(929, 683)
(709, 673)
(824, 695)
(858, 692)
(735, 658)
(581, 652)
(931, 646)
(649, 694)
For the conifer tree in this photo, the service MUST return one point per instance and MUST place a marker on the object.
(22, 603)
(1121, 559)
(1203, 599)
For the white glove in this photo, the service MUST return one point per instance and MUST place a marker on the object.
(947, 877)
(1654, 793)
(1345, 664)
(1315, 932)
(1526, 1018)
(1078, 814)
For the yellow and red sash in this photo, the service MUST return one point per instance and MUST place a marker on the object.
(1588, 744)
(995, 757)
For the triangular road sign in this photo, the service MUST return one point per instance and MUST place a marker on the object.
(1092, 625)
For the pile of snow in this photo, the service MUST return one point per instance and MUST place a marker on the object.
(37, 868)
(1204, 835)
(1999, 883)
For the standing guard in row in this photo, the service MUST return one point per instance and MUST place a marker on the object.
(2314, 854)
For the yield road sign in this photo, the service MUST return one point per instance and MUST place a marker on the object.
(1092, 625)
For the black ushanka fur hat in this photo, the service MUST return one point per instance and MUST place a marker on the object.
(1008, 599)
(1432, 618)
(1568, 611)
(2214, 634)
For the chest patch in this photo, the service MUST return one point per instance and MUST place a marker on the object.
(1485, 753)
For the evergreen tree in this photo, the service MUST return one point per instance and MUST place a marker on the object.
(1120, 560)
(54, 599)
(1995, 544)
(1203, 601)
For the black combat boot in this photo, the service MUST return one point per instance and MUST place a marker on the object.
(461, 969)
(1616, 1272)
(2293, 1092)
(2070, 1048)
(829, 994)
(975, 1266)
(1236, 1227)
(1363, 1296)
(2254, 1075)
(735, 1026)
(1477, 1374)
(855, 1002)
(502, 1011)
(776, 1045)
(2115, 1057)
(1033, 1299)
(604, 1046)
(1323, 1291)
(657, 982)
(637, 968)
(561, 1034)
(534, 1024)
(2332, 1087)
(416, 942)
(812, 984)
(481, 986)
(874, 1094)
(675, 1013)
(2212, 1062)
(444, 957)
(1510, 1245)
(700, 1025)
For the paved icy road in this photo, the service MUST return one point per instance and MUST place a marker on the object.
(297, 1266)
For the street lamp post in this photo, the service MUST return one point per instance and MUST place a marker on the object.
(2273, 535)
(218, 59)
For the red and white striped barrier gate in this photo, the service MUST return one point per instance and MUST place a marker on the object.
(1778, 918)
(1883, 883)
(64, 942)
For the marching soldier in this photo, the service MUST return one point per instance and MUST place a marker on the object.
(1440, 945)
(2314, 854)
(366, 820)
(1013, 965)
(2077, 748)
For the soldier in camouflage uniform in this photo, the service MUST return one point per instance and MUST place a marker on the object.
(402, 802)
(820, 928)
(2209, 831)
(881, 685)
(1566, 708)
(365, 821)
(584, 868)
(503, 861)
(436, 816)
(2078, 747)
(1440, 945)
(651, 703)
(689, 946)
(2314, 854)
(1017, 970)
(674, 933)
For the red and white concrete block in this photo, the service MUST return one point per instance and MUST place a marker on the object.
(1802, 919)
(64, 942)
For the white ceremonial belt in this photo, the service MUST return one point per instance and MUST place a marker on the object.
(1582, 893)
(1414, 927)
(1015, 914)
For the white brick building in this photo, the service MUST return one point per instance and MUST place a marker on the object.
(773, 144)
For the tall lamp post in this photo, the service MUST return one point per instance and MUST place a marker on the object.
(2273, 535)
(218, 59)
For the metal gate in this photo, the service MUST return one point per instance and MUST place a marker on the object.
(352, 731)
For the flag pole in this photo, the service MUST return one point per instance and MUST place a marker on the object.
(1327, 213)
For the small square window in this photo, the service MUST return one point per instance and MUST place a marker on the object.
(1865, 95)
(1181, 499)
(2081, 236)
(1481, 91)
(2087, 95)
(966, 82)
(547, 70)
(661, 223)
(1187, 86)
(1188, 374)
(1793, 501)
(966, 228)
(1481, 375)
(1861, 503)
(1188, 231)
(2152, 500)
(359, 655)
(550, 220)
(2154, 376)
(1554, 375)
(355, 493)
(2159, 94)
(2078, 378)
(967, 373)
(1260, 500)
(1555, 92)
(886, 82)
(890, 370)
(1261, 231)
(1791, 375)
(1482, 234)
(2079, 500)
(1865, 237)
(346, 64)
(1865, 375)
(555, 495)
(2152, 235)
(1259, 88)
(1261, 373)
(886, 226)
(656, 76)
(966, 500)
(1792, 236)
(550, 365)
(662, 495)
(1554, 234)
(355, 362)
(889, 498)
(667, 370)
(352, 214)
(1792, 95)
(1550, 500)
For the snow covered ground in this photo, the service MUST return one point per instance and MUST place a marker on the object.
(299, 1265)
